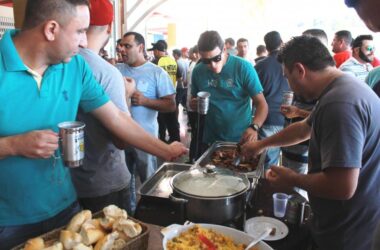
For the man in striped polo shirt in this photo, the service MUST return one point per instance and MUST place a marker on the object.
(362, 55)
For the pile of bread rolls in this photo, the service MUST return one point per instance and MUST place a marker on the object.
(110, 232)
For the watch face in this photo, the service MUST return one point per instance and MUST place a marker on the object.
(254, 127)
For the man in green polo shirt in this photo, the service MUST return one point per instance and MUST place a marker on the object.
(43, 82)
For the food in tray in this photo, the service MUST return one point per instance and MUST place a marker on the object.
(199, 238)
(224, 158)
(111, 232)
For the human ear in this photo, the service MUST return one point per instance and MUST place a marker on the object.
(51, 29)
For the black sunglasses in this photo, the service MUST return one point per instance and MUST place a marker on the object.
(216, 59)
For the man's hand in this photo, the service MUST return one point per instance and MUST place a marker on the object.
(177, 150)
(281, 177)
(249, 135)
(194, 103)
(36, 144)
(251, 149)
(130, 86)
(289, 111)
(138, 99)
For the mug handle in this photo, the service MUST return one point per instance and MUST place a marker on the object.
(305, 213)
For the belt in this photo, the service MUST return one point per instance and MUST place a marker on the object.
(295, 157)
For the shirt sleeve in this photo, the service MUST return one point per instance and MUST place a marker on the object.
(251, 80)
(339, 132)
(164, 84)
(93, 95)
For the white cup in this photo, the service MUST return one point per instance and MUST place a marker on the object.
(287, 98)
(280, 200)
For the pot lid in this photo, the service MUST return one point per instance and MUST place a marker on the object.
(210, 182)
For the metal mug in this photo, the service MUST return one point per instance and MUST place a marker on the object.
(71, 140)
(203, 102)
(298, 210)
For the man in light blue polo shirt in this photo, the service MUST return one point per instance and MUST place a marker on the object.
(43, 83)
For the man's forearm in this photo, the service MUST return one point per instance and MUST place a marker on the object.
(162, 105)
(129, 132)
(291, 135)
(6, 148)
(337, 183)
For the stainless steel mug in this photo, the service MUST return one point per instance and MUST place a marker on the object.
(71, 136)
(203, 102)
(298, 210)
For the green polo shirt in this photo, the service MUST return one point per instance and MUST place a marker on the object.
(33, 190)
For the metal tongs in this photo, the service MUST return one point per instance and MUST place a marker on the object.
(236, 161)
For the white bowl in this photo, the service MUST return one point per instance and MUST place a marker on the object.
(237, 236)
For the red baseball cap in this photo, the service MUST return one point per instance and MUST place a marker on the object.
(101, 12)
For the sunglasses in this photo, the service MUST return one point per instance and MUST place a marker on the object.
(370, 48)
(216, 59)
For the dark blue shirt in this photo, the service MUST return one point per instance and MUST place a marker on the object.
(274, 83)
(345, 134)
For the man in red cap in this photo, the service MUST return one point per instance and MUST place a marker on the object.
(104, 178)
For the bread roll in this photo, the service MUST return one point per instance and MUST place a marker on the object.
(129, 227)
(114, 212)
(82, 246)
(91, 224)
(107, 241)
(91, 236)
(119, 244)
(107, 223)
(78, 219)
(35, 244)
(70, 239)
(55, 246)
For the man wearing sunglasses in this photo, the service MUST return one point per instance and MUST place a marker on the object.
(362, 55)
(232, 83)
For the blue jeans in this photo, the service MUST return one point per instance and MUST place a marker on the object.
(11, 236)
(273, 154)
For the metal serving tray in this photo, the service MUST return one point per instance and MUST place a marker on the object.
(158, 185)
(220, 145)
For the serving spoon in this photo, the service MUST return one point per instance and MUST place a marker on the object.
(261, 236)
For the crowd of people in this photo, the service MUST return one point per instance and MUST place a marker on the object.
(326, 141)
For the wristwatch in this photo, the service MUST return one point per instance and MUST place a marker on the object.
(254, 126)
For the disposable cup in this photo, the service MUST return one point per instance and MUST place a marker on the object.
(280, 200)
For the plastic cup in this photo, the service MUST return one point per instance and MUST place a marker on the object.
(280, 200)
(287, 98)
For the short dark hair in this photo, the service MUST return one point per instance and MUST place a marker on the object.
(139, 39)
(358, 42)
(195, 49)
(39, 11)
(242, 40)
(209, 40)
(230, 40)
(272, 40)
(351, 3)
(308, 50)
(318, 33)
(177, 52)
(260, 49)
(345, 35)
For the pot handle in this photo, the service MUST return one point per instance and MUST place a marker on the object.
(182, 206)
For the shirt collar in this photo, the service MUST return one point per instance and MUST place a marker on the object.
(11, 58)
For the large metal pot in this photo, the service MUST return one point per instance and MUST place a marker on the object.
(210, 195)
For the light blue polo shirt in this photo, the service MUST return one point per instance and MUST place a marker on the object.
(32, 190)
(230, 108)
